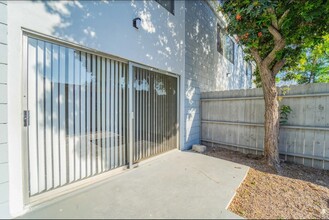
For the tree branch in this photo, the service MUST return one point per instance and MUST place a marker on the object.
(281, 20)
(275, 33)
(279, 44)
(277, 67)
(273, 17)
(255, 54)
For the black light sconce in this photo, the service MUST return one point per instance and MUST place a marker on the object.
(137, 23)
(228, 74)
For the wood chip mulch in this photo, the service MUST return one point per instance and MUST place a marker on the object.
(298, 192)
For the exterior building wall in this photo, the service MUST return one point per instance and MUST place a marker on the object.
(4, 184)
(183, 43)
(105, 26)
(205, 68)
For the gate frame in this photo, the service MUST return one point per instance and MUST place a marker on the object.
(27, 202)
(132, 103)
(38, 199)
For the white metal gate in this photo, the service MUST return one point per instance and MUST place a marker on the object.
(155, 108)
(78, 117)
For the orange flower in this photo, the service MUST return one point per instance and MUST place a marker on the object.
(260, 34)
(245, 36)
(238, 17)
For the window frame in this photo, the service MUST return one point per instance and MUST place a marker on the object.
(248, 68)
(220, 35)
(222, 44)
(229, 50)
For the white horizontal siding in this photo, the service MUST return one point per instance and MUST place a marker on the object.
(3, 73)
(4, 171)
(3, 193)
(3, 13)
(3, 153)
(3, 94)
(3, 34)
(3, 53)
(3, 114)
(4, 209)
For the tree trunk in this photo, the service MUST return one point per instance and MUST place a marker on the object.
(312, 73)
(271, 139)
(311, 79)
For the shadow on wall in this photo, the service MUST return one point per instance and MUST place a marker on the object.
(107, 27)
(206, 68)
(63, 92)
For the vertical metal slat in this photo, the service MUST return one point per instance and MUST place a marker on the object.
(103, 119)
(32, 92)
(120, 116)
(112, 115)
(94, 136)
(82, 115)
(41, 115)
(108, 119)
(55, 121)
(70, 117)
(62, 115)
(88, 112)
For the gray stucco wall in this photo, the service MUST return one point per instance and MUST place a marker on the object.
(205, 68)
(4, 187)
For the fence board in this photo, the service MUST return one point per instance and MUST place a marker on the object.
(235, 118)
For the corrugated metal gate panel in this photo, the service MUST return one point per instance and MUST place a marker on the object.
(78, 104)
(78, 114)
(155, 109)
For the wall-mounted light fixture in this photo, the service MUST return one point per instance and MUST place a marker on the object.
(228, 74)
(137, 23)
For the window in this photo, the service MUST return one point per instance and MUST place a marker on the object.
(248, 66)
(229, 49)
(167, 4)
(219, 39)
(225, 44)
(248, 69)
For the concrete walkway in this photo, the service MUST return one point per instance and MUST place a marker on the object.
(174, 185)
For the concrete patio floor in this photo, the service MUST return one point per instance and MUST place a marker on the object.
(174, 185)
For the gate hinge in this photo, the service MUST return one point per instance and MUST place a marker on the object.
(26, 118)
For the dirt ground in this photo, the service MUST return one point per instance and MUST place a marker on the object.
(297, 193)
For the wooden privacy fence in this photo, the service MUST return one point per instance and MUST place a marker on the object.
(234, 119)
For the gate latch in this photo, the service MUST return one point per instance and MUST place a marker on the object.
(26, 118)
